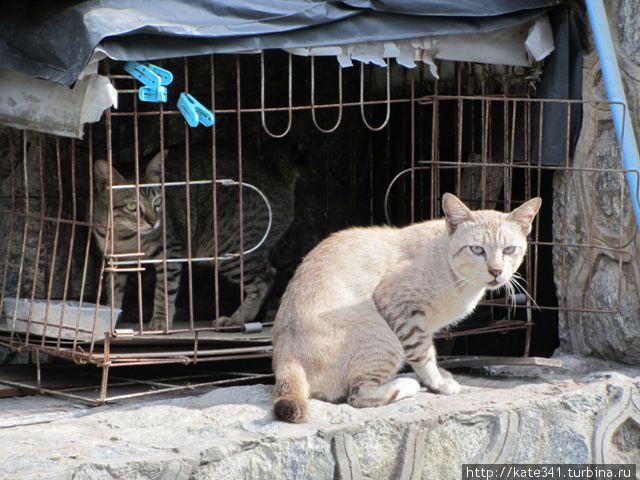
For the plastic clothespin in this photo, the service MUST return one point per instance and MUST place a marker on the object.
(154, 79)
(143, 74)
(150, 94)
(194, 112)
(166, 77)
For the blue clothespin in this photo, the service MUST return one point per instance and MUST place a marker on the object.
(150, 94)
(153, 77)
(143, 74)
(166, 77)
(194, 112)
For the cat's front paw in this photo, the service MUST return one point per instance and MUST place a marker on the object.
(446, 386)
(229, 322)
(158, 324)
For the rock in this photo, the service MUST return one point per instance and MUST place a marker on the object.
(593, 208)
(563, 417)
(626, 13)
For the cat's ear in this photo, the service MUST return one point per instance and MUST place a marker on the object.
(455, 211)
(152, 173)
(525, 213)
(101, 175)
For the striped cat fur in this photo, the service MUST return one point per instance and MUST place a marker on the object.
(275, 175)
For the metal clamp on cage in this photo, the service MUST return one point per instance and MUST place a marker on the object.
(154, 78)
(253, 327)
(194, 112)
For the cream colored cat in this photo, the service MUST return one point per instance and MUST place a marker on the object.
(367, 300)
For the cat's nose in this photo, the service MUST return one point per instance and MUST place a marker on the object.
(152, 221)
(496, 272)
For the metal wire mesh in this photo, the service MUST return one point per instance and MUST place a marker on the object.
(380, 145)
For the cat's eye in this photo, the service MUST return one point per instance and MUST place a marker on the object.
(510, 250)
(477, 249)
(157, 201)
(131, 206)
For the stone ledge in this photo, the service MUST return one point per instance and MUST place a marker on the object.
(593, 416)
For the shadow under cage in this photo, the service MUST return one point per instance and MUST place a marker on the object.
(153, 243)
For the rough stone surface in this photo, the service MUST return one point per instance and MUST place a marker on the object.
(582, 414)
(607, 277)
(625, 22)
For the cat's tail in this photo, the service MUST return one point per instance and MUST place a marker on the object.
(291, 393)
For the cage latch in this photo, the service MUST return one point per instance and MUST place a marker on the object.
(114, 259)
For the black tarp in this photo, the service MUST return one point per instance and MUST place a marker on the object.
(55, 40)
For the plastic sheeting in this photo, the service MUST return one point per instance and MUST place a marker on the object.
(56, 40)
(510, 46)
(30, 103)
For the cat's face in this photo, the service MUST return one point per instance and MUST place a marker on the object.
(125, 205)
(485, 246)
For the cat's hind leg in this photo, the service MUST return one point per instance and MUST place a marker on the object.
(258, 282)
(377, 359)
(371, 395)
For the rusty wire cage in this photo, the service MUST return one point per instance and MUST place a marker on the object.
(359, 146)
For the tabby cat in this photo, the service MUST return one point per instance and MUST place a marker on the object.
(275, 177)
(125, 220)
(366, 300)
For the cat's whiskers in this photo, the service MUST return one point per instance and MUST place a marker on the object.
(460, 282)
(511, 301)
(518, 285)
(509, 292)
(520, 277)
